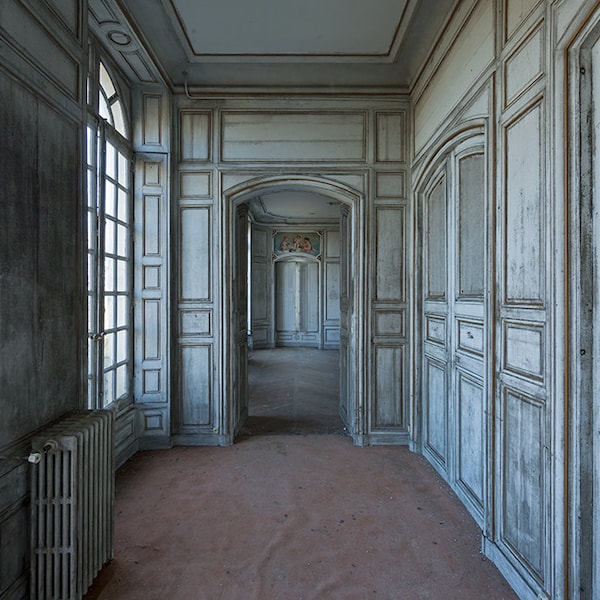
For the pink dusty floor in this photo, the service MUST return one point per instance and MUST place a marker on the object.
(292, 517)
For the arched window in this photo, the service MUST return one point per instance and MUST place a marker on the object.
(108, 244)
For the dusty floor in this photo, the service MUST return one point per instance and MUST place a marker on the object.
(291, 515)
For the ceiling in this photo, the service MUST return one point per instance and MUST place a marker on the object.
(269, 45)
(294, 207)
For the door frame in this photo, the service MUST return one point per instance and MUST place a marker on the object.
(355, 200)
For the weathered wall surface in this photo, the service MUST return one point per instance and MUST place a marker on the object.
(42, 327)
(492, 76)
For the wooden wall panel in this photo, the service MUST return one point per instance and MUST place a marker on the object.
(516, 11)
(472, 213)
(436, 410)
(390, 244)
(463, 64)
(525, 260)
(524, 491)
(391, 140)
(525, 65)
(388, 405)
(195, 253)
(436, 242)
(390, 184)
(471, 442)
(195, 184)
(293, 136)
(196, 375)
(332, 291)
(22, 28)
(195, 135)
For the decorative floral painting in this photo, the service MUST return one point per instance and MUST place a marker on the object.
(285, 242)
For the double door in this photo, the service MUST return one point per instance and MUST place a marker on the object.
(454, 324)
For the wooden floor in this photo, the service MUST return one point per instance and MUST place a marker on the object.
(292, 511)
(293, 390)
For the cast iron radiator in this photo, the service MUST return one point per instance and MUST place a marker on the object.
(72, 505)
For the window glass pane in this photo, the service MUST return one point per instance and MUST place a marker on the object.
(91, 189)
(111, 161)
(121, 381)
(121, 346)
(91, 272)
(109, 274)
(117, 111)
(103, 108)
(123, 206)
(122, 240)
(106, 82)
(91, 146)
(122, 312)
(109, 313)
(122, 276)
(109, 237)
(91, 230)
(109, 378)
(110, 207)
(109, 350)
(123, 170)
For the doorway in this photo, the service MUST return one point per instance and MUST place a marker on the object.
(350, 281)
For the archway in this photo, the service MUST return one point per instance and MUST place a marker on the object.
(234, 269)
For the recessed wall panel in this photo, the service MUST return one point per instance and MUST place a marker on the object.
(435, 241)
(195, 322)
(525, 261)
(194, 136)
(523, 482)
(389, 387)
(195, 184)
(195, 253)
(390, 185)
(152, 329)
(152, 226)
(471, 439)
(196, 385)
(390, 248)
(436, 409)
(293, 136)
(152, 119)
(332, 291)
(260, 291)
(472, 195)
(391, 137)
(524, 349)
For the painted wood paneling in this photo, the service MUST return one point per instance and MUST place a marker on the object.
(390, 251)
(390, 184)
(466, 60)
(332, 291)
(525, 262)
(196, 386)
(524, 491)
(436, 409)
(388, 410)
(195, 136)
(471, 208)
(195, 253)
(391, 142)
(436, 241)
(516, 11)
(293, 136)
(151, 276)
(525, 65)
(22, 28)
(471, 440)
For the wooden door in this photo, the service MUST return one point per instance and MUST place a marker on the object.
(454, 325)
(346, 315)
(239, 360)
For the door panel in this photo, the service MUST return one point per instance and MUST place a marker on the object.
(240, 320)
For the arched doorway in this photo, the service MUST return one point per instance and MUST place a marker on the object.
(235, 296)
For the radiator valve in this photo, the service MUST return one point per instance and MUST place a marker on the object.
(34, 458)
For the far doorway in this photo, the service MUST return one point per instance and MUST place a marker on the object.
(293, 390)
